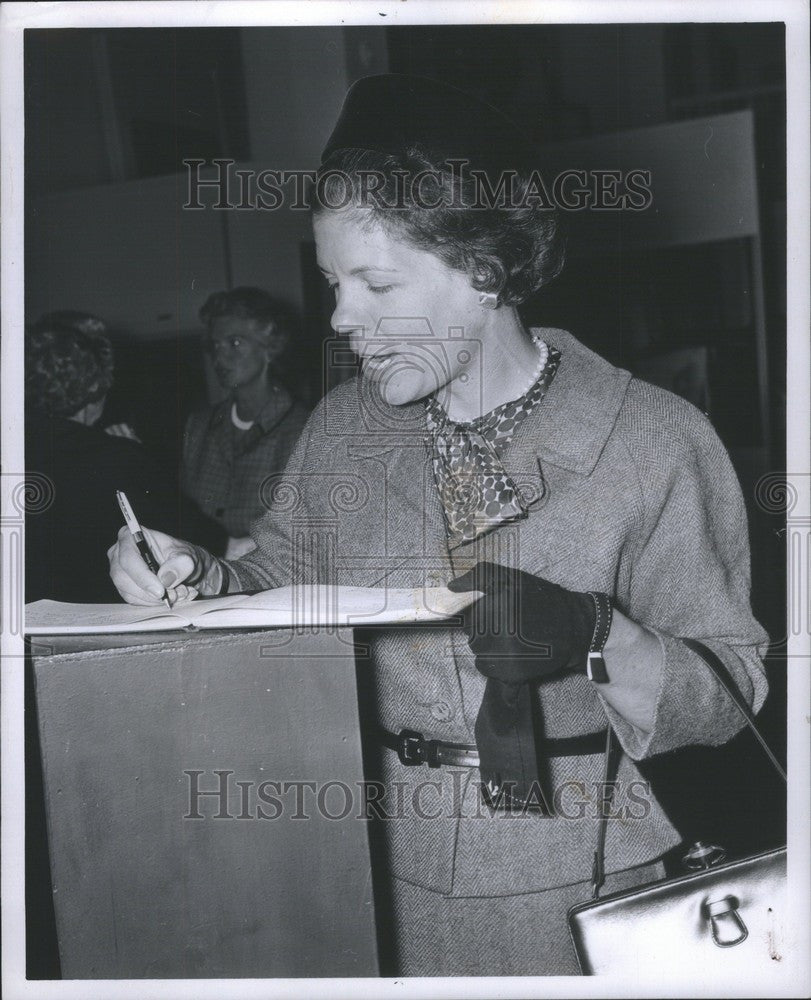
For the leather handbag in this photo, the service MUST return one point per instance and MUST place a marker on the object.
(727, 918)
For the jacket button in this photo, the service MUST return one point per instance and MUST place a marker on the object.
(441, 711)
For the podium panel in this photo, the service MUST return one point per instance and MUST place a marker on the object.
(204, 806)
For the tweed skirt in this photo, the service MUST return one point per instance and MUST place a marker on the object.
(524, 935)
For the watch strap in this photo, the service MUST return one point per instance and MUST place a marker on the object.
(595, 663)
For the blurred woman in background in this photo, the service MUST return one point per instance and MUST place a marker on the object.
(230, 449)
(69, 372)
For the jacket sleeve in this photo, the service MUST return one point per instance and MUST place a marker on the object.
(690, 577)
(287, 546)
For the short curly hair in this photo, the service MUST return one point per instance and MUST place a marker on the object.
(68, 362)
(250, 304)
(512, 249)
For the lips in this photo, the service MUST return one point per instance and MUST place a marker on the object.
(378, 360)
(376, 364)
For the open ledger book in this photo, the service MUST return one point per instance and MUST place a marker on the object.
(286, 607)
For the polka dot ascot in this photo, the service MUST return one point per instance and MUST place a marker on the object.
(476, 492)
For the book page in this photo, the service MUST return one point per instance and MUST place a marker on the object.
(59, 617)
(313, 604)
(284, 607)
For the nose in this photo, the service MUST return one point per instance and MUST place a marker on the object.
(344, 319)
(217, 348)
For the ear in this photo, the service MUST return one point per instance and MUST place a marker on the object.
(274, 346)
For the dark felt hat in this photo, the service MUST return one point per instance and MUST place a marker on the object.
(392, 112)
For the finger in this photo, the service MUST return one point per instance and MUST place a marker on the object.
(176, 594)
(130, 573)
(163, 546)
(463, 583)
(467, 582)
(485, 577)
(494, 576)
(154, 544)
(131, 592)
(139, 597)
(176, 569)
(176, 562)
(182, 594)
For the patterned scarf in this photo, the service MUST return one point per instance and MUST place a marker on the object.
(476, 492)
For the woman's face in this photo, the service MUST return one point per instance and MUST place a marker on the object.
(405, 311)
(239, 349)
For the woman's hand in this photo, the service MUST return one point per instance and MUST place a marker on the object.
(184, 569)
(122, 430)
(525, 628)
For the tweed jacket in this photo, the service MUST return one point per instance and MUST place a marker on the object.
(630, 492)
(223, 469)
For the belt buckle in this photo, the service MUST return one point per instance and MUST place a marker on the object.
(410, 748)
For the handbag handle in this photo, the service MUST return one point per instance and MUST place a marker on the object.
(725, 678)
(718, 667)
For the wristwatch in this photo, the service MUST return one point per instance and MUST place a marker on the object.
(595, 663)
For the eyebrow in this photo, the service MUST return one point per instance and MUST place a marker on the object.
(362, 270)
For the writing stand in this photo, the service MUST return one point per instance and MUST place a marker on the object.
(153, 879)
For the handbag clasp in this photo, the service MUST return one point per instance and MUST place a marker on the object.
(728, 928)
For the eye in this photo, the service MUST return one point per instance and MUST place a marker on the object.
(235, 342)
(380, 289)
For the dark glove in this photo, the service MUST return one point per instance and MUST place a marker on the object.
(524, 629)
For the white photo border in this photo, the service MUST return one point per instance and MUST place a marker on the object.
(14, 18)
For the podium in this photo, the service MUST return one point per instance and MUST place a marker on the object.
(204, 804)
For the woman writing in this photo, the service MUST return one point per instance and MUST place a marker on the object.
(599, 517)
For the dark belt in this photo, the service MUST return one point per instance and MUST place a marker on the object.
(413, 749)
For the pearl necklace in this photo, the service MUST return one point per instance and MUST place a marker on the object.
(543, 352)
(242, 425)
(543, 358)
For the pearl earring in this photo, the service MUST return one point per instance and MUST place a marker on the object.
(488, 300)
